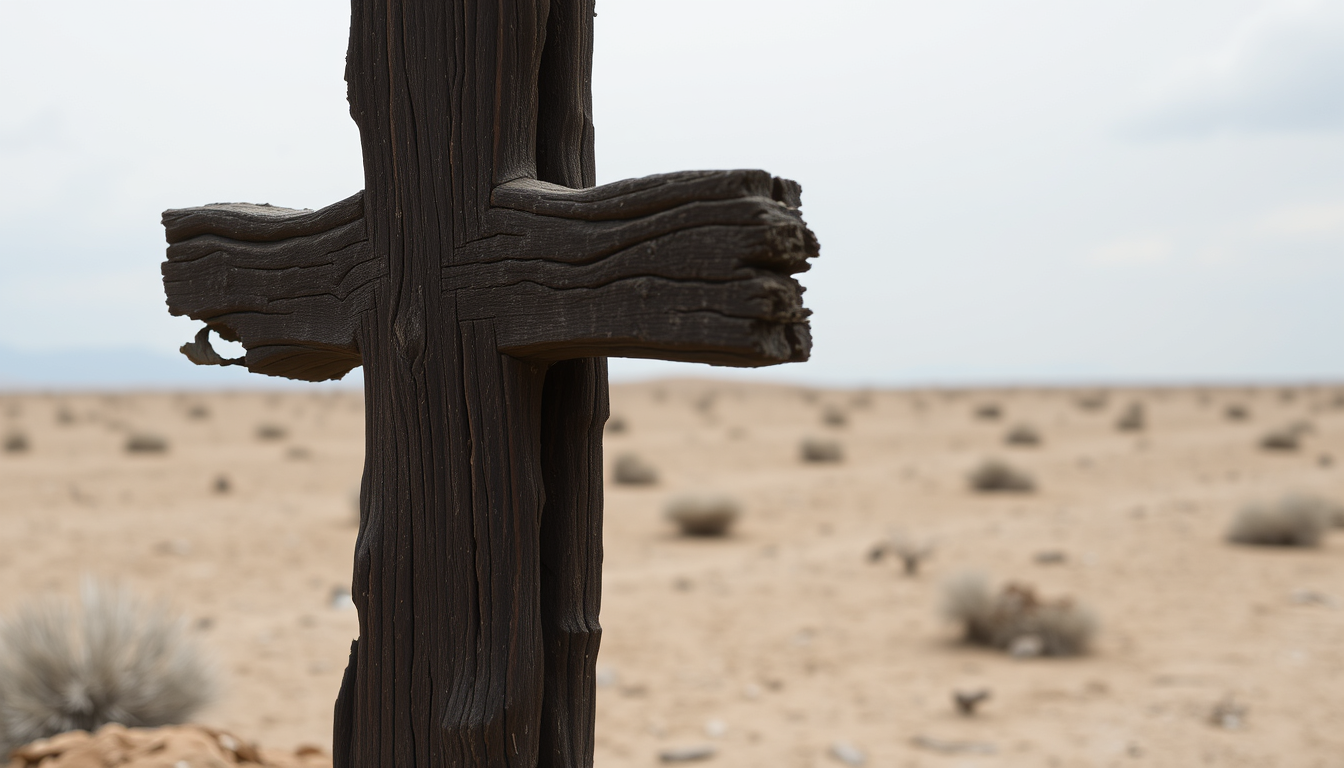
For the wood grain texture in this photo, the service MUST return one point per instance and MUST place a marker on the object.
(481, 279)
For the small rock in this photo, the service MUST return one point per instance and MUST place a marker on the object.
(222, 484)
(715, 729)
(967, 701)
(954, 747)
(1050, 557)
(687, 754)
(1228, 714)
(341, 599)
(1311, 597)
(848, 753)
(607, 677)
(179, 547)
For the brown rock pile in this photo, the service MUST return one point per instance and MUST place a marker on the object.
(167, 747)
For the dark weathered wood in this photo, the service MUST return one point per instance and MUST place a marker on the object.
(481, 279)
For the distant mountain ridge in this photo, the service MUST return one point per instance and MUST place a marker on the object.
(127, 368)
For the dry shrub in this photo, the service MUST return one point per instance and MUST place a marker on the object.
(271, 432)
(988, 411)
(1293, 521)
(630, 469)
(834, 416)
(1023, 435)
(909, 551)
(16, 442)
(1016, 617)
(1285, 438)
(1236, 412)
(116, 659)
(145, 442)
(616, 425)
(994, 476)
(198, 412)
(1092, 401)
(703, 515)
(818, 450)
(1133, 419)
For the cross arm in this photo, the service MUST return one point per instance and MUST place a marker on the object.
(691, 266)
(287, 284)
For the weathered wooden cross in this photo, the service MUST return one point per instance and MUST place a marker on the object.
(481, 280)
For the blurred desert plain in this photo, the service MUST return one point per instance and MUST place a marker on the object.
(799, 638)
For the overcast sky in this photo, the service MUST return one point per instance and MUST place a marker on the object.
(1004, 190)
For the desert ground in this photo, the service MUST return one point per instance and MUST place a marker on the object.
(782, 644)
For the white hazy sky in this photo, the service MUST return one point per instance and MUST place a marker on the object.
(1004, 190)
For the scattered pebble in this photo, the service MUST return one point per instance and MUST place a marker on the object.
(341, 600)
(1228, 714)
(1312, 597)
(687, 754)
(1026, 647)
(967, 701)
(848, 753)
(952, 747)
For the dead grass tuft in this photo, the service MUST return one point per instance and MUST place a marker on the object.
(1023, 435)
(703, 515)
(116, 659)
(817, 450)
(146, 442)
(1133, 419)
(1293, 521)
(994, 476)
(630, 469)
(1016, 619)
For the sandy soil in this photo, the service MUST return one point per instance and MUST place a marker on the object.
(778, 642)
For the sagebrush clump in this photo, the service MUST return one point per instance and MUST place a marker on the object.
(271, 432)
(16, 442)
(1016, 618)
(994, 476)
(1286, 438)
(817, 450)
(630, 469)
(910, 551)
(1023, 435)
(1133, 419)
(114, 659)
(145, 442)
(703, 514)
(988, 412)
(1295, 520)
(834, 416)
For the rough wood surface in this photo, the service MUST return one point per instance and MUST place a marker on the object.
(480, 279)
